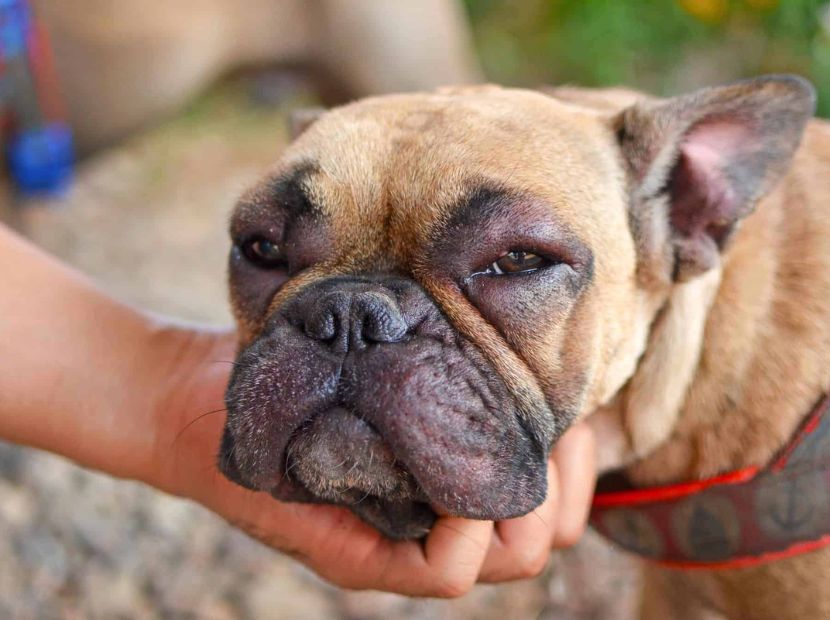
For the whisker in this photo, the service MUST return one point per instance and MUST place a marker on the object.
(291, 465)
(224, 460)
(351, 469)
(227, 362)
(538, 516)
(192, 422)
(285, 475)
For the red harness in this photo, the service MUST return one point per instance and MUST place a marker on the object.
(743, 518)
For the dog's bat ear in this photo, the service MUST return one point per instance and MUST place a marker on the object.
(710, 156)
(301, 119)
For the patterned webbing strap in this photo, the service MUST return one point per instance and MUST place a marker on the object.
(746, 517)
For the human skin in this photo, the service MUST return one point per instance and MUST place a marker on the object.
(139, 397)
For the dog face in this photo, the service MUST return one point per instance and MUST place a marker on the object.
(430, 288)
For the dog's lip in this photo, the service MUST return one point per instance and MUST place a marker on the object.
(288, 488)
(402, 518)
(418, 491)
(290, 491)
(418, 519)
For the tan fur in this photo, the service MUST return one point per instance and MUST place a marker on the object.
(656, 391)
(719, 379)
(400, 161)
(123, 63)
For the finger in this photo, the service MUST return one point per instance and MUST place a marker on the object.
(445, 565)
(575, 456)
(520, 548)
(455, 551)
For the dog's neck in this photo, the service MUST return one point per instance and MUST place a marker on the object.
(738, 358)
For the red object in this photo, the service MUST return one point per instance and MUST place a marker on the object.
(44, 72)
(742, 518)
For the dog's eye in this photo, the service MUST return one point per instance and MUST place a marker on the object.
(517, 261)
(263, 253)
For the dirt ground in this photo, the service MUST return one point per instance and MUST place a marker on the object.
(147, 220)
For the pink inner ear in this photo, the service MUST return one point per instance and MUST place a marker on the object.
(702, 193)
(717, 138)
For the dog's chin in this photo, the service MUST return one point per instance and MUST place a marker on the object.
(338, 458)
(399, 520)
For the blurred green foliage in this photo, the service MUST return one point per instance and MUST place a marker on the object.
(662, 46)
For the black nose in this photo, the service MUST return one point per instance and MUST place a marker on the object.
(352, 319)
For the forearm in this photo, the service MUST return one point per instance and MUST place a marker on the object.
(76, 367)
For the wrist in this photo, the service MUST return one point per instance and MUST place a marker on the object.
(190, 373)
(87, 377)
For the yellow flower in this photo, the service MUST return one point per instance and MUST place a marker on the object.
(711, 11)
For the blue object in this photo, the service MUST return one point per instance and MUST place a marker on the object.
(40, 159)
(15, 23)
(39, 151)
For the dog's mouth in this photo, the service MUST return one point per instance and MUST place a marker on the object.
(397, 426)
(339, 458)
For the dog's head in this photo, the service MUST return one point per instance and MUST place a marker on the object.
(430, 288)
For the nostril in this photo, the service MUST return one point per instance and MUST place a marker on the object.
(350, 320)
(383, 326)
(327, 318)
(320, 325)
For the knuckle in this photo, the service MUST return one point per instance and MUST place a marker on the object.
(569, 534)
(454, 586)
(532, 564)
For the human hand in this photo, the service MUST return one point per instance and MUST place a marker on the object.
(331, 540)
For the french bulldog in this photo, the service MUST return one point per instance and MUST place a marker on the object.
(430, 288)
